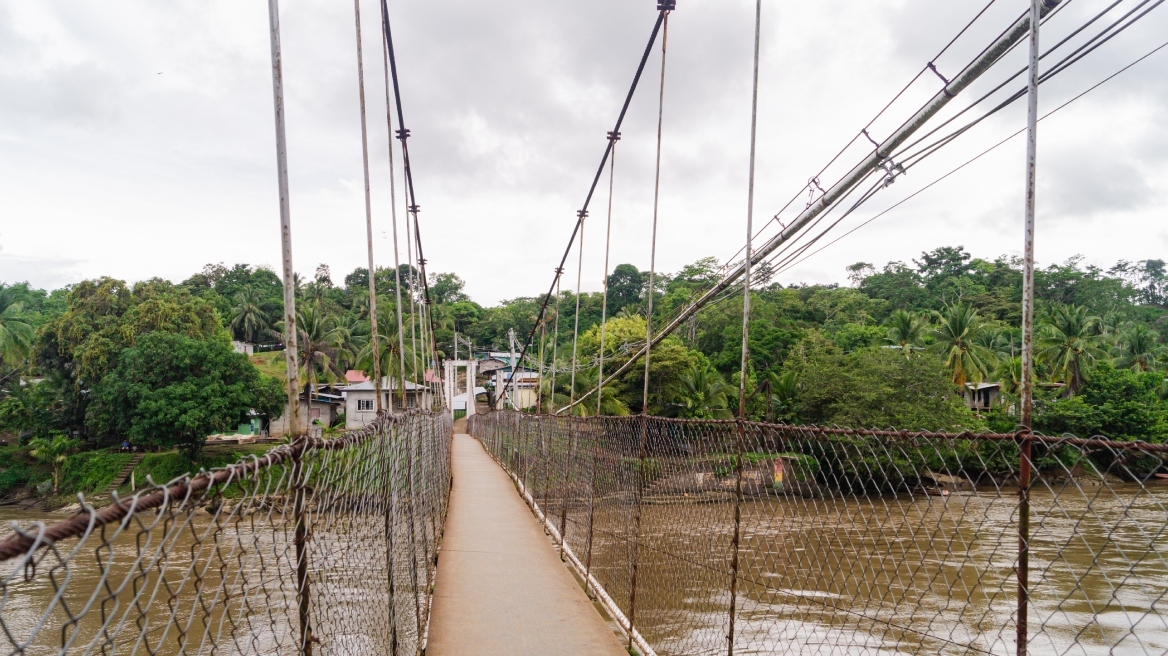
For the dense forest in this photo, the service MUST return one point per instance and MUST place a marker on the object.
(106, 360)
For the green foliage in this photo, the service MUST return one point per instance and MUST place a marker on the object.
(704, 395)
(1117, 403)
(54, 451)
(172, 390)
(876, 388)
(92, 471)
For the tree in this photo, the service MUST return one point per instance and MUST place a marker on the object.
(102, 317)
(875, 388)
(53, 451)
(704, 395)
(956, 338)
(1139, 348)
(170, 390)
(251, 319)
(1118, 403)
(320, 342)
(625, 286)
(783, 389)
(447, 288)
(16, 333)
(1069, 342)
(906, 330)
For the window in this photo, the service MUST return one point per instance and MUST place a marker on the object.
(314, 413)
(364, 405)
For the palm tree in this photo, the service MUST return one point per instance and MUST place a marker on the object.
(610, 405)
(1009, 374)
(54, 452)
(957, 335)
(704, 395)
(783, 390)
(16, 334)
(906, 330)
(250, 317)
(1139, 348)
(319, 342)
(1069, 342)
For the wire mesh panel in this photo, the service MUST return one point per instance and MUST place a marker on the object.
(321, 545)
(838, 541)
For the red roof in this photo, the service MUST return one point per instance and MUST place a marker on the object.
(354, 376)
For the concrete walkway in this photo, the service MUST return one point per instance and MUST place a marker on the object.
(501, 587)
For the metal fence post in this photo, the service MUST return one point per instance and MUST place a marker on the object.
(300, 538)
(736, 541)
(591, 517)
(572, 440)
(640, 487)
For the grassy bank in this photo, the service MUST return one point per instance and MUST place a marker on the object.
(93, 472)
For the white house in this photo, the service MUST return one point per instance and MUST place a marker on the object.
(361, 400)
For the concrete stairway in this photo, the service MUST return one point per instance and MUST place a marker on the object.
(123, 475)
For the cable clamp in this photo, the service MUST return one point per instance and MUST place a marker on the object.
(666, 5)
(559, 271)
(812, 187)
(402, 134)
(893, 170)
(874, 143)
(614, 136)
(933, 67)
(414, 209)
(581, 214)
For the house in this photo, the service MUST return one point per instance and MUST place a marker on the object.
(247, 348)
(980, 397)
(361, 400)
(320, 405)
(524, 393)
(354, 376)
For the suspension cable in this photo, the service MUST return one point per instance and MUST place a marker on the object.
(874, 160)
(613, 137)
(576, 319)
(982, 153)
(374, 345)
(401, 336)
(656, 203)
(599, 171)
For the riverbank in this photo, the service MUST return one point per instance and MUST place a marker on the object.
(27, 483)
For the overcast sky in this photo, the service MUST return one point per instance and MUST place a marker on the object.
(136, 137)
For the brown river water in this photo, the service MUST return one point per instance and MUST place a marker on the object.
(886, 575)
(911, 574)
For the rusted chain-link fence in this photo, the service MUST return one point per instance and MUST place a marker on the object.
(322, 546)
(714, 537)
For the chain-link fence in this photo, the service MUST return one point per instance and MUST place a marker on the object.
(715, 537)
(322, 546)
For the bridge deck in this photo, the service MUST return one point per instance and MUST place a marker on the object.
(501, 588)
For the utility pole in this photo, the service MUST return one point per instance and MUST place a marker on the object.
(292, 382)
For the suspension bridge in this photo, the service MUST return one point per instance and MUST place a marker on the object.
(524, 530)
